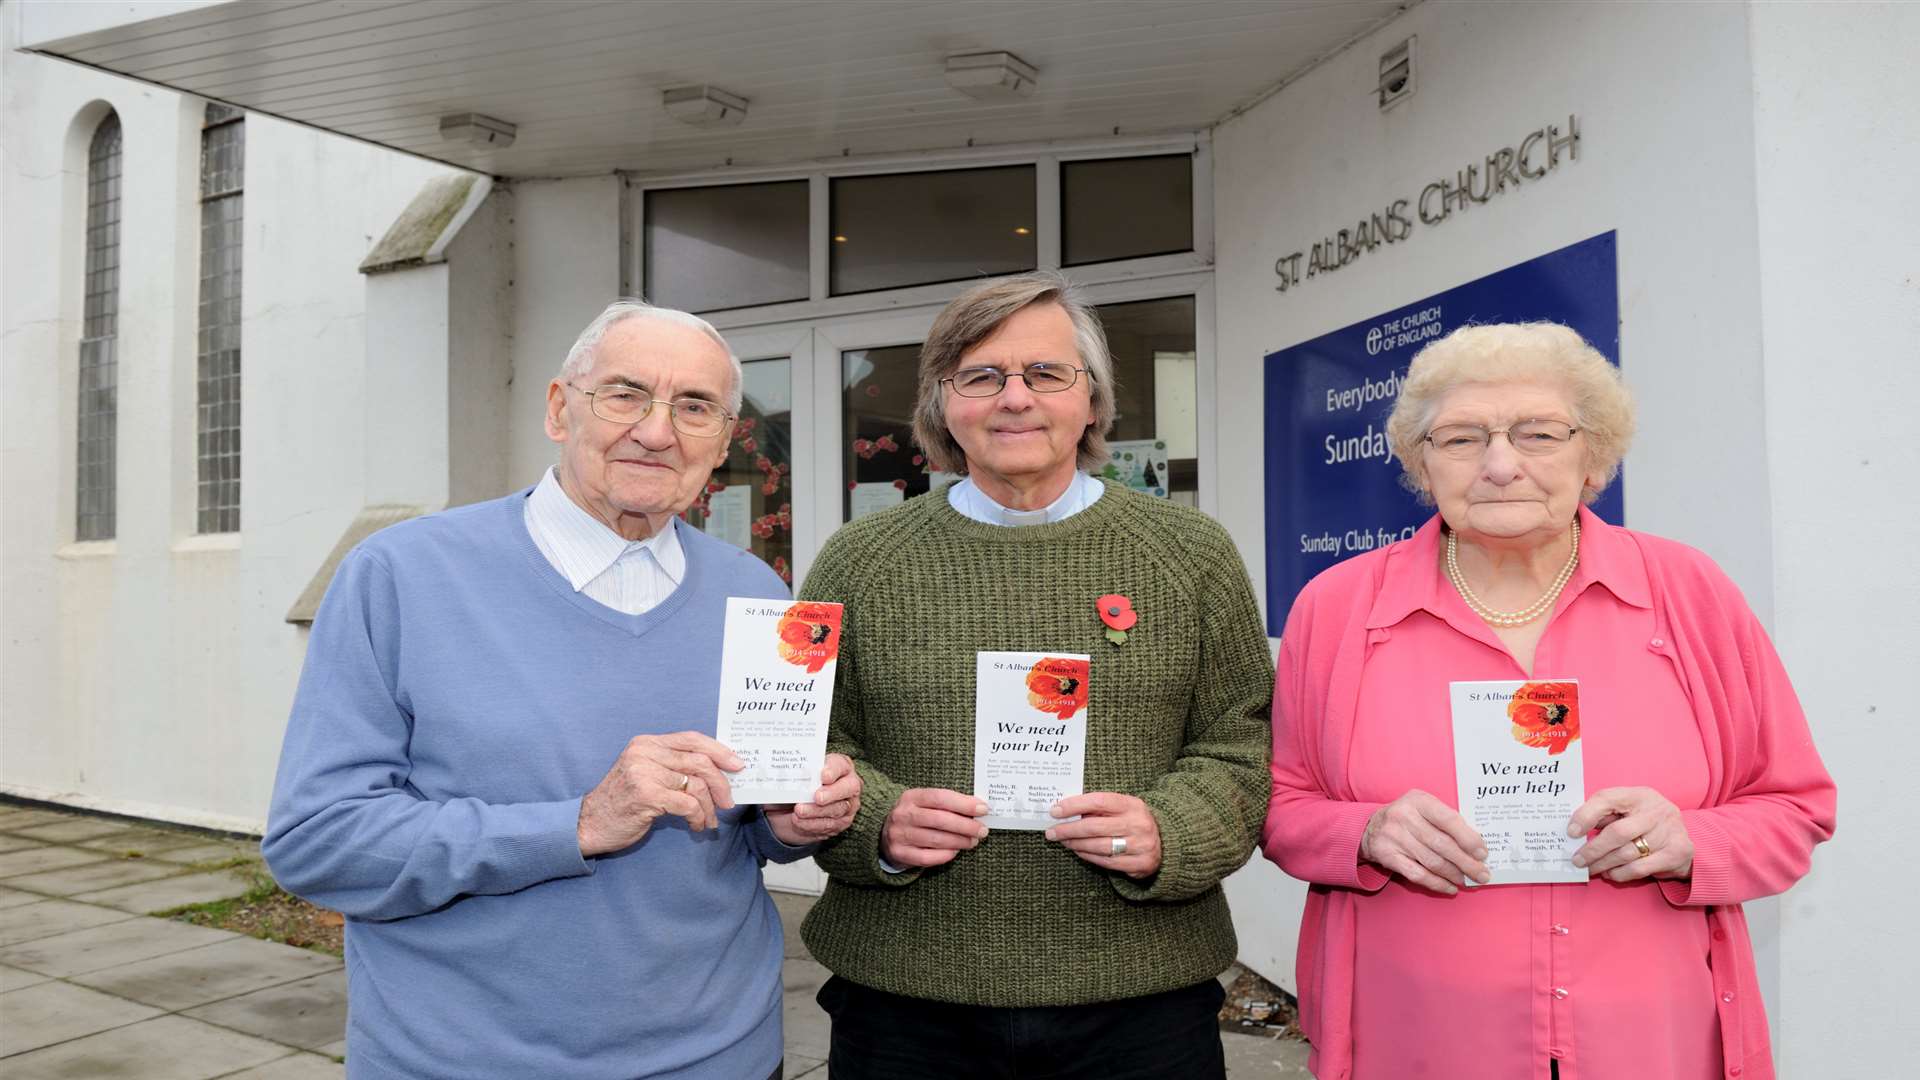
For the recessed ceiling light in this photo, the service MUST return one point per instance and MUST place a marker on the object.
(1022, 230)
(839, 239)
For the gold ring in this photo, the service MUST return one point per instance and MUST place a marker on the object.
(684, 781)
(1640, 845)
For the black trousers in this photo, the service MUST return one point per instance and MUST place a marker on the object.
(882, 1036)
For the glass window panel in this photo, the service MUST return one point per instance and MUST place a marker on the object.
(709, 248)
(749, 500)
(881, 465)
(1125, 208)
(919, 228)
(99, 374)
(222, 168)
(1152, 342)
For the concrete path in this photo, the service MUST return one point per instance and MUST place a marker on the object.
(90, 986)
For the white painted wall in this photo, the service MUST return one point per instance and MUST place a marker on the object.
(1757, 163)
(566, 270)
(152, 674)
(1837, 107)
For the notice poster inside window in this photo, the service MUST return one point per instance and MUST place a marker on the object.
(1333, 485)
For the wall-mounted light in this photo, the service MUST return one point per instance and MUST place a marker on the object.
(477, 130)
(704, 106)
(1396, 74)
(992, 76)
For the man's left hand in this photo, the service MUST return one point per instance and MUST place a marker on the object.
(1104, 817)
(830, 812)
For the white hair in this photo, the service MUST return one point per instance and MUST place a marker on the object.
(580, 358)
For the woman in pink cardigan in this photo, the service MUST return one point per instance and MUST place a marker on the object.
(1703, 786)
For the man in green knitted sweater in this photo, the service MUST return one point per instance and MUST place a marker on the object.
(1088, 949)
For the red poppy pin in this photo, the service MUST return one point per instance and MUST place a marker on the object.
(1117, 612)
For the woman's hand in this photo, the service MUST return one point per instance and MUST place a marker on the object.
(1425, 841)
(1107, 817)
(830, 812)
(929, 826)
(1624, 814)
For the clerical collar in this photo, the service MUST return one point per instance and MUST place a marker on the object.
(967, 498)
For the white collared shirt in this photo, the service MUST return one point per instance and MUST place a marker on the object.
(967, 498)
(629, 576)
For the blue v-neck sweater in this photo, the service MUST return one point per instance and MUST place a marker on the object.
(458, 700)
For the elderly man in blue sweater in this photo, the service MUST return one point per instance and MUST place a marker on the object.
(500, 763)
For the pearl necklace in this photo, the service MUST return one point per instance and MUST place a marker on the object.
(1524, 615)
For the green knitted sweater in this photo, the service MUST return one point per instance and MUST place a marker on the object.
(1177, 716)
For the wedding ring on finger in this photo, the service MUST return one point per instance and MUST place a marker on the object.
(1640, 845)
(684, 781)
(1118, 846)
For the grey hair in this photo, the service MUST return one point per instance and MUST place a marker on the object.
(580, 358)
(971, 318)
(1535, 352)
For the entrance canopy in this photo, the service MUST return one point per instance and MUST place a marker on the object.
(581, 83)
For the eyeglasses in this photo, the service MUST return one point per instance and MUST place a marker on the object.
(1046, 377)
(1536, 438)
(622, 404)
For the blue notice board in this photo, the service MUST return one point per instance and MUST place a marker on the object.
(1333, 487)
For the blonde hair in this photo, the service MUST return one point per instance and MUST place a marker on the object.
(1536, 352)
(971, 318)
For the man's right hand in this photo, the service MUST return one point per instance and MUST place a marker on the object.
(929, 826)
(679, 774)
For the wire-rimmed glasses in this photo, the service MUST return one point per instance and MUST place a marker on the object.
(1536, 438)
(621, 403)
(1045, 377)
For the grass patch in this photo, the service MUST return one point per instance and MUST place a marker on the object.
(265, 911)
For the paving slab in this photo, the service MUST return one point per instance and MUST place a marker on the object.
(9, 842)
(93, 877)
(11, 898)
(164, 1048)
(294, 1067)
(166, 894)
(37, 860)
(144, 841)
(793, 907)
(54, 1012)
(1262, 1057)
(73, 830)
(308, 1013)
(804, 1068)
(13, 978)
(107, 946)
(226, 969)
(332, 1049)
(27, 818)
(217, 851)
(26, 922)
(806, 1023)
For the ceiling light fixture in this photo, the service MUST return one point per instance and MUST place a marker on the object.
(704, 106)
(992, 76)
(477, 130)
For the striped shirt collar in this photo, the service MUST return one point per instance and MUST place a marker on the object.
(581, 546)
(967, 498)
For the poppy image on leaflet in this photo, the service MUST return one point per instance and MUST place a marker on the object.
(1058, 686)
(1546, 714)
(810, 635)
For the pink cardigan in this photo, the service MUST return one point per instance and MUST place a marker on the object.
(1769, 800)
